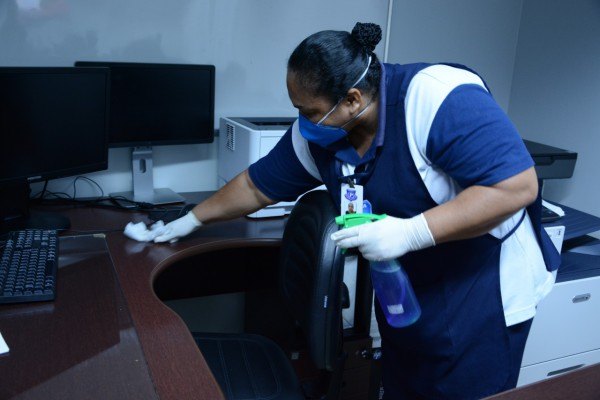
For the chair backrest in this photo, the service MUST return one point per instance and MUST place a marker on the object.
(311, 275)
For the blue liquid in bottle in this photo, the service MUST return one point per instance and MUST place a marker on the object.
(395, 293)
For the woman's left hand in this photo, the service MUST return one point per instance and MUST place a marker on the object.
(387, 238)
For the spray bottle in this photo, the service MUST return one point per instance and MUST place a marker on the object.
(390, 283)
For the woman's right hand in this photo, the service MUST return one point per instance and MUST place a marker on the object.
(179, 228)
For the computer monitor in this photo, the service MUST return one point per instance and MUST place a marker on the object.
(53, 123)
(155, 105)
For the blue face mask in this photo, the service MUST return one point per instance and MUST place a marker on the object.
(325, 135)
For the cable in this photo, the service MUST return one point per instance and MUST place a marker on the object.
(63, 198)
(89, 180)
(47, 197)
(40, 194)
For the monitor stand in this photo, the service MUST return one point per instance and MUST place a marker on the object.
(15, 213)
(143, 182)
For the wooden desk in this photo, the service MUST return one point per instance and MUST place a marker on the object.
(108, 335)
(81, 345)
(177, 367)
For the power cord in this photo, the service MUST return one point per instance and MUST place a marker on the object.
(89, 180)
(41, 193)
(155, 213)
(47, 197)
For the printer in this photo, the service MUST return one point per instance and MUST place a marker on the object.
(551, 162)
(242, 141)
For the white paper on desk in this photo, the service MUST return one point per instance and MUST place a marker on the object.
(554, 208)
(3, 345)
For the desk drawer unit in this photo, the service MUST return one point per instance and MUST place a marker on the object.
(567, 322)
(550, 369)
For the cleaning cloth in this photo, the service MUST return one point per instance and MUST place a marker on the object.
(141, 233)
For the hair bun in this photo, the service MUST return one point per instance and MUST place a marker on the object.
(367, 34)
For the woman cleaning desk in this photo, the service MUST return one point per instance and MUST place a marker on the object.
(428, 145)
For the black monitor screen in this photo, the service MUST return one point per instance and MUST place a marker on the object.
(53, 122)
(160, 104)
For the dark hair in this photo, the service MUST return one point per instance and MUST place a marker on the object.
(328, 63)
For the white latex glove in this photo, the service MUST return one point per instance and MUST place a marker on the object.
(387, 238)
(179, 228)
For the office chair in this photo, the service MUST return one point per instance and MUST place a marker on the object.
(251, 366)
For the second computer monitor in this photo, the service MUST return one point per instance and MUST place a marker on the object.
(159, 104)
(155, 105)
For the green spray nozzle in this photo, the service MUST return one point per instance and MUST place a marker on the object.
(350, 220)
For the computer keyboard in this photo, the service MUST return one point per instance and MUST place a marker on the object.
(28, 266)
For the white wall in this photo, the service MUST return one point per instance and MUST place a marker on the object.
(556, 91)
(480, 34)
(248, 41)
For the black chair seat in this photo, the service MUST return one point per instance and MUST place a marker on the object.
(310, 272)
(249, 367)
